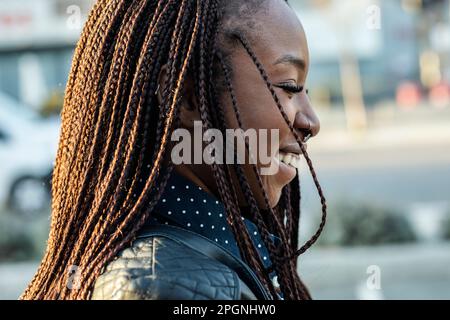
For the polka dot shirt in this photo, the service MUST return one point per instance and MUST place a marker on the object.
(186, 205)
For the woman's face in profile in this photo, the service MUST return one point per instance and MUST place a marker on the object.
(279, 42)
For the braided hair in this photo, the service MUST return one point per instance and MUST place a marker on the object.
(112, 165)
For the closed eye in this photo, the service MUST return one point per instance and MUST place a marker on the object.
(291, 88)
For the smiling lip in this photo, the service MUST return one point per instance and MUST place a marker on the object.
(290, 155)
(290, 159)
(286, 173)
(293, 148)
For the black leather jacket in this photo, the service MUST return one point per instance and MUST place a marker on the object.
(186, 250)
(161, 267)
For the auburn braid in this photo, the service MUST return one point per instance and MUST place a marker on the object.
(285, 272)
(261, 69)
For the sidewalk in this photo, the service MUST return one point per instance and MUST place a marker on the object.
(14, 278)
(416, 271)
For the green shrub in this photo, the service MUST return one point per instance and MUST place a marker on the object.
(446, 227)
(352, 224)
(22, 239)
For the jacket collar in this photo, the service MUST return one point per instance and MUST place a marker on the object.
(186, 205)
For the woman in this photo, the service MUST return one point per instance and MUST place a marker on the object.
(128, 223)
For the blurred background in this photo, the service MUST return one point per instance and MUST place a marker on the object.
(380, 82)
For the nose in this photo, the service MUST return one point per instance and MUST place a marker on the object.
(306, 120)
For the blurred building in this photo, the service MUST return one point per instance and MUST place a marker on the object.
(388, 48)
(391, 42)
(37, 38)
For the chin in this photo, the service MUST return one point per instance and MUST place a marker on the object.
(274, 192)
(274, 197)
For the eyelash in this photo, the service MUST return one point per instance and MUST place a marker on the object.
(292, 88)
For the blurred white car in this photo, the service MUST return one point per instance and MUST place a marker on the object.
(28, 146)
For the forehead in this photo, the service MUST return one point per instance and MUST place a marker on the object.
(278, 32)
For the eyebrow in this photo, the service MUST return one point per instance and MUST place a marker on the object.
(290, 59)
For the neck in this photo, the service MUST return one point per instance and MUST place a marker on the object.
(200, 175)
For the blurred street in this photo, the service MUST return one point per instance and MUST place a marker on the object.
(399, 164)
(406, 272)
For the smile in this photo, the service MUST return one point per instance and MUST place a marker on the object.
(291, 159)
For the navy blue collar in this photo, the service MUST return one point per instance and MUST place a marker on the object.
(186, 205)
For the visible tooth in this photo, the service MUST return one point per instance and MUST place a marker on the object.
(297, 163)
(281, 157)
(293, 162)
(288, 159)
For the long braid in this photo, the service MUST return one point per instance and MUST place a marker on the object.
(314, 238)
(84, 199)
(279, 227)
(254, 209)
(221, 123)
(293, 221)
(143, 197)
(92, 219)
(70, 143)
(226, 190)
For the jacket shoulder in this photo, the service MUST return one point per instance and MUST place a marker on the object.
(158, 268)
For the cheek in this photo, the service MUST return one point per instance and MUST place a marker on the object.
(256, 107)
(254, 101)
(289, 104)
(271, 186)
(258, 110)
(273, 190)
